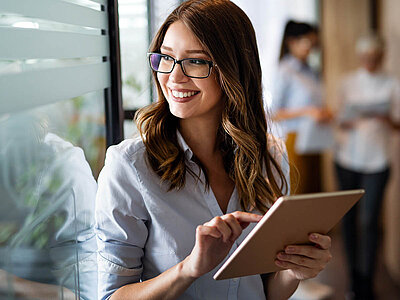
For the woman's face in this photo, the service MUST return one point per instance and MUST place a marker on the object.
(187, 97)
(301, 47)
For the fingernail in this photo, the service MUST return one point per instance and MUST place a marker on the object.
(289, 249)
(314, 237)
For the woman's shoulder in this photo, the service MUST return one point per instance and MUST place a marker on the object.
(289, 64)
(129, 149)
(285, 67)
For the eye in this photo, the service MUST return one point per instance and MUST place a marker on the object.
(195, 61)
(167, 58)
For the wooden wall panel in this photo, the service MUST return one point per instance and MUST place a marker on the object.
(389, 27)
(342, 22)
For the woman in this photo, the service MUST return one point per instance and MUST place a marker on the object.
(173, 204)
(369, 103)
(298, 97)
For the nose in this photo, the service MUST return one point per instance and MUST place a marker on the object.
(177, 74)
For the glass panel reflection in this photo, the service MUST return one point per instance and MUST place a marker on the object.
(48, 157)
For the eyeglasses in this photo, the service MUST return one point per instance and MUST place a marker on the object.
(191, 67)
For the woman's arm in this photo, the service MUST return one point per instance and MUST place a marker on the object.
(299, 262)
(214, 239)
(318, 114)
(168, 285)
(279, 285)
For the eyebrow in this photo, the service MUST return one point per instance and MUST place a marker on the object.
(187, 51)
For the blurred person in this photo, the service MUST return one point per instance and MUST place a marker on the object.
(47, 194)
(173, 203)
(297, 97)
(369, 108)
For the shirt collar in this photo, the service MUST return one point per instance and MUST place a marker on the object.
(185, 147)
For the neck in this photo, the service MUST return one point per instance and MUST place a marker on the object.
(201, 136)
(298, 57)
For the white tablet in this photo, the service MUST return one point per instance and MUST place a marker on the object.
(289, 221)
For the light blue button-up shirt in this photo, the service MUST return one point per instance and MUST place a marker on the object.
(143, 230)
(296, 87)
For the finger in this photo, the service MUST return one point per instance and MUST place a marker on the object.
(245, 218)
(222, 227)
(324, 241)
(290, 265)
(300, 272)
(306, 250)
(208, 230)
(299, 260)
(234, 225)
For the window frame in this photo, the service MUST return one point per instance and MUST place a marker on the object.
(113, 96)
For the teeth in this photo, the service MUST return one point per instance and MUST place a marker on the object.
(182, 94)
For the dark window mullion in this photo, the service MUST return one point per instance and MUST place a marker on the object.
(113, 95)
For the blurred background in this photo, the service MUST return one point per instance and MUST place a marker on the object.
(72, 75)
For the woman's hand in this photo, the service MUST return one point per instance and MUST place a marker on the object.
(214, 239)
(320, 115)
(306, 261)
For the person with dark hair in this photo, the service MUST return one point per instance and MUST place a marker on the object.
(297, 98)
(369, 110)
(298, 30)
(173, 203)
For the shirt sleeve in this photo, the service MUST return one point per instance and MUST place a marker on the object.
(280, 90)
(121, 229)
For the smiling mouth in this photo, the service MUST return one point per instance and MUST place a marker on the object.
(183, 95)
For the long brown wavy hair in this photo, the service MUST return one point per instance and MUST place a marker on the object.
(227, 35)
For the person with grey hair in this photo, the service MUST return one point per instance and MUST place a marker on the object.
(369, 102)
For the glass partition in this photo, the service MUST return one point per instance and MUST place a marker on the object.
(54, 75)
(49, 159)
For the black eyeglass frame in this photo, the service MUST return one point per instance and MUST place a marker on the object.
(179, 62)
